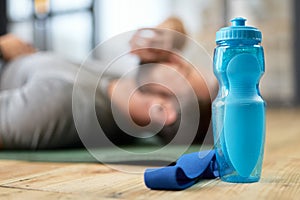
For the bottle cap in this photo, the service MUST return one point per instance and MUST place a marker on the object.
(238, 31)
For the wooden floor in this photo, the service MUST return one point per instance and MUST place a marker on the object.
(280, 178)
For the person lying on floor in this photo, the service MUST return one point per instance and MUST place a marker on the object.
(36, 96)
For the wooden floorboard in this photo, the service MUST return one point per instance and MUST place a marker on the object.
(280, 177)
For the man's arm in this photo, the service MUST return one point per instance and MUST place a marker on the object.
(12, 47)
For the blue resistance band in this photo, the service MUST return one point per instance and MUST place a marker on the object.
(188, 170)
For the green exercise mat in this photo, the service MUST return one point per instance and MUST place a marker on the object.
(125, 154)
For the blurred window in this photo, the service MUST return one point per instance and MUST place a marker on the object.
(46, 23)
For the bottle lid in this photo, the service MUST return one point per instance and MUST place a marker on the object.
(238, 31)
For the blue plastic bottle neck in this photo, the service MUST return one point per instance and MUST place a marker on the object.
(237, 42)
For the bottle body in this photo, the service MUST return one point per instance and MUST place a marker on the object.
(238, 112)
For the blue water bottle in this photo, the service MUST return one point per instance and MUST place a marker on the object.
(238, 112)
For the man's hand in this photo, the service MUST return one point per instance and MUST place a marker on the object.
(151, 45)
(13, 47)
(155, 44)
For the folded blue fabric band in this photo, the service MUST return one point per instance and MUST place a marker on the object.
(188, 170)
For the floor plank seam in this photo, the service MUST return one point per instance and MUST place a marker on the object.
(24, 178)
(32, 189)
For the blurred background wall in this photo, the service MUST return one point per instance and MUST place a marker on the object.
(73, 27)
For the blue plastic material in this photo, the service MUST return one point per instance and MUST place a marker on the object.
(188, 170)
(238, 112)
(238, 31)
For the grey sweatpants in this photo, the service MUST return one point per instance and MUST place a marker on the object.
(36, 103)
